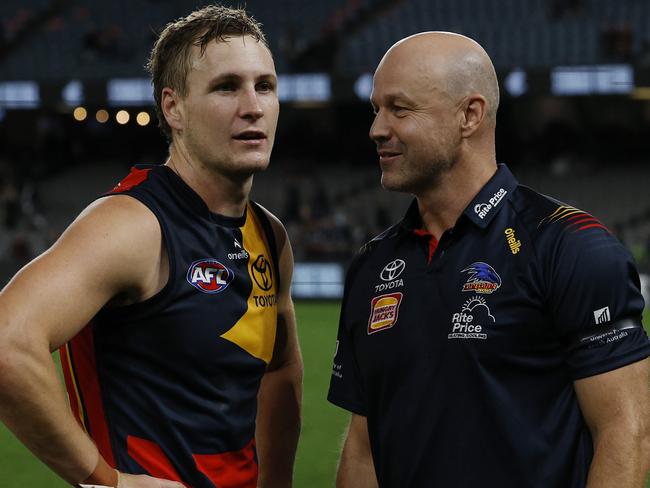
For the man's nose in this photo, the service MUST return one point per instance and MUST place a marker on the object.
(379, 130)
(250, 106)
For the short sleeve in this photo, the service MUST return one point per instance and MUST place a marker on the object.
(346, 389)
(595, 301)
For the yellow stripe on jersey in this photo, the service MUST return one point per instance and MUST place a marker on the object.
(560, 213)
(255, 330)
(73, 380)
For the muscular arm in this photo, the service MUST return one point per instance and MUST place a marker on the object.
(101, 255)
(279, 398)
(616, 407)
(356, 468)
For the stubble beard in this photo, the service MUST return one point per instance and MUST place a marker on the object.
(423, 176)
(227, 162)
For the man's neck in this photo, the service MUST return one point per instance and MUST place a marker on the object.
(442, 205)
(223, 194)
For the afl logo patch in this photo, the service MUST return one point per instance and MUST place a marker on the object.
(209, 275)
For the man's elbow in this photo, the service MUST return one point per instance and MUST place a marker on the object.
(18, 356)
(10, 369)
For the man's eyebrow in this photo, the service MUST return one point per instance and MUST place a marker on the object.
(232, 76)
(225, 77)
(392, 97)
(399, 95)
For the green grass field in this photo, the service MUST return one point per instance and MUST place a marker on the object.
(323, 424)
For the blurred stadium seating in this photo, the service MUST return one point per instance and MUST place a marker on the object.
(589, 151)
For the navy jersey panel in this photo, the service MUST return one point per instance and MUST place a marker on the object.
(593, 292)
(179, 373)
(349, 393)
(464, 364)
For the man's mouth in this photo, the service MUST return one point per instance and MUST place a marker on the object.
(250, 135)
(386, 154)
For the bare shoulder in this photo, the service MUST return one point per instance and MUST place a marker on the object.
(127, 213)
(112, 248)
(112, 238)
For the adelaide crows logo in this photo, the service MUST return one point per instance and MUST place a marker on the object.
(209, 275)
(482, 278)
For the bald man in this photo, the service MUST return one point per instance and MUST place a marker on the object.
(493, 337)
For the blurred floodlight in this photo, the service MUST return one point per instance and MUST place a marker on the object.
(516, 83)
(101, 116)
(606, 79)
(80, 114)
(143, 118)
(313, 87)
(19, 94)
(73, 93)
(129, 92)
(122, 117)
(363, 86)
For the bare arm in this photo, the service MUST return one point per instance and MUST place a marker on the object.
(616, 407)
(48, 302)
(356, 468)
(280, 395)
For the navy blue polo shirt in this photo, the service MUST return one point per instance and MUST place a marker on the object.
(462, 353)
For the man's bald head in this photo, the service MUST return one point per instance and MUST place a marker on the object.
(450, 64)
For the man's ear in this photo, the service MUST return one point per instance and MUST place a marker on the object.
(172, 108)
(474, 111)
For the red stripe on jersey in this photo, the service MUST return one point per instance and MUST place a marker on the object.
(134, 178)
(84, 365)
(587, 219)
(235, 469)
(433, 242)
(74, 396)
(151, 458)
(578, 216)
(598, 225)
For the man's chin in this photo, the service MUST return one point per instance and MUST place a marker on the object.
(393, 184)
(247, 166)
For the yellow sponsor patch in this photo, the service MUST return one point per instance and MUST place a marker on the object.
(513, 242)
(383, 312)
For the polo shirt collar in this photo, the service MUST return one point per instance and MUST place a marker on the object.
(492, 197)
(482, 209)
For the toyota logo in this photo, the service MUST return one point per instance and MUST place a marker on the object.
(261, 271)
(392, 270)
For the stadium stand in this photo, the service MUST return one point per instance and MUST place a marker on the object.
(564, 147)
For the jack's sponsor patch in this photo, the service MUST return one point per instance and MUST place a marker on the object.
(384, 310)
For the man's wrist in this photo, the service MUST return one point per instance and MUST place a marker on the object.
(102, 475)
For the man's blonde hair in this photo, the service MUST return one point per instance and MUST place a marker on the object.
(170, 60)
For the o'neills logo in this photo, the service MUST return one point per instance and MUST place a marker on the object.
(515, 245)
(384, 310)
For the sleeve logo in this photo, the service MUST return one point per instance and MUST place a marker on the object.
(601, 316)
(209, 276)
